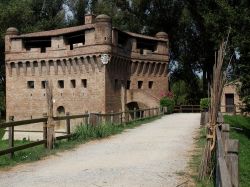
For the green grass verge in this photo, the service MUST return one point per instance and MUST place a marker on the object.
(81, 135)
(195, 161)
(242, 133)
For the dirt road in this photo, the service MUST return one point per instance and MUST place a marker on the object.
(152, 155)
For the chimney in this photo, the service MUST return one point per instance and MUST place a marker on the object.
(89, 19)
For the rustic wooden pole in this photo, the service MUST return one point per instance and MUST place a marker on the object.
(202, 121)
(121, 117)
(45, 129)
(89, 117)
(134, 113)
(141, 114)
(232, 160)
(11, 136)
(112, 118)
(86, 118)
(100, 118)
(51, 124)
(68, 125)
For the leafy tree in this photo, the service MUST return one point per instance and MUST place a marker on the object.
(179, 90)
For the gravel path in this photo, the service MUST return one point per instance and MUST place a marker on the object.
(152, 155)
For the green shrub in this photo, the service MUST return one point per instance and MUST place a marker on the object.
(169, 103)
(84, 132)
(204, 103)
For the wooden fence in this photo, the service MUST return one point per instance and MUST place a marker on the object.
(88, 119)
(187, 109)
(227, 166)
(227, 159)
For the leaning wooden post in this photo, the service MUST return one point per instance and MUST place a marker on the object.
(232, 159)
(134, 113)
(45, 129)
(51, 124)
(68, 124)
(11, 136)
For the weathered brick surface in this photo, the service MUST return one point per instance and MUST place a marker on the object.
(231, 88)
(84, 61)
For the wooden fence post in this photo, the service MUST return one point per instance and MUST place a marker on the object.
(134, 113)
(86, 118)
(112, 118)
(99, 118)
(234, 112)
(68, 125)
(11, 136)
(45, 129)
(121, 117)
(89, 119)
(225, 135)
(232, 160)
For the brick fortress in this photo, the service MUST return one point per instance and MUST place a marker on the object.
(93, 67)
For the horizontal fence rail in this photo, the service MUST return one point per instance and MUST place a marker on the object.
(187, 109)
(88, 119)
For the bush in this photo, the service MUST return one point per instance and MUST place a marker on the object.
(204, 103)
(169, 103)
(84, 132)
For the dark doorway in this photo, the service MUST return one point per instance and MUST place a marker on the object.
(229, 102)
(131, 106)
(60, 112)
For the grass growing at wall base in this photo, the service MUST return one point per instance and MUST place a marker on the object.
(81, 135)
(240, 129)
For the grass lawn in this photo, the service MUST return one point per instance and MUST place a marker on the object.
(81, 135)
(242, 133)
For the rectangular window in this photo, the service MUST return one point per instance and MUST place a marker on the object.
(150, 84)
(84, 83)
(43, 84)
(43, 50)
(31, 84)
(60, 84)
(73, 83)
(128, 84)
(140, 84)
